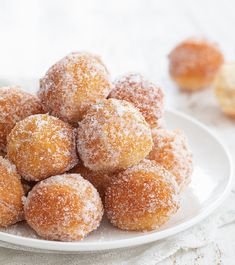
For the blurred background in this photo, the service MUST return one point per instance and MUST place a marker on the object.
(130, 35)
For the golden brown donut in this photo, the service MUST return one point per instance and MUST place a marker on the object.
(144, 95)
(142, 198)
(73, 84)
(193, 63)
(65, 207)
(225, 88)
(42, 146)
(113, 136)
(11, 194)
(15, 105)
(172, 151)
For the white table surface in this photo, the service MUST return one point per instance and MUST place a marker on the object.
(130, 35)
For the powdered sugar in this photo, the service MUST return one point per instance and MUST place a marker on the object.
(143, 94)
(11, 192)
(73, 84)
(142, 197)
(41, 146)
(75, 209)
(113, 136)
(15, 105)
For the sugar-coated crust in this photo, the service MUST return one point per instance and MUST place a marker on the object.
(194, 63)
(172, 151)
(142, 198)
(11, 193)
(15, 105)
(73, 84)
(143, 94)
(41, 146)
(65, 207)
(113, 136)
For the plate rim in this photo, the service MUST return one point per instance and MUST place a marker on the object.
(48, 245)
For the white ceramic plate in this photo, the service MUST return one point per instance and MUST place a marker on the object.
(211, 183)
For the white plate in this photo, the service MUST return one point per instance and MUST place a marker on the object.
(211, 183)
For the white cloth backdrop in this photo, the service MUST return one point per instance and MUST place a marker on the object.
(131, 35)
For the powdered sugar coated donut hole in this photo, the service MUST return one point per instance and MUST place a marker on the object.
(42, 146)
(73, 84)
(144, 95)
(142, 198)
(113, 136)
(65, 207)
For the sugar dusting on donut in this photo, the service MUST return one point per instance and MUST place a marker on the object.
(73, 84)
(11, 193)
(171, 150)
(113, 136)
(71, 208)
(15, 105)
(144, 95)
(41, 146)
(142, 197)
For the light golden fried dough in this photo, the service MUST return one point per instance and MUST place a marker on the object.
(144, 95)
(193, 64)
(42, 146)
(15, 105)
(11, 194)
(171, 150)
(65, 207)
(113, 136)
(73, 84)
(225, 88)
(142, 198)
